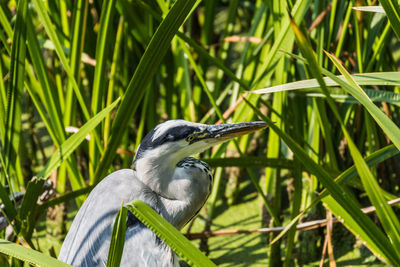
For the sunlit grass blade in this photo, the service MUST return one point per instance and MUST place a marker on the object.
(169, 234)
(29, 255)
(392, 10)
(69, 146)
(199, 49)
(386, 215)
(117, 238)
(103, 47)
(373, 159)
(45, 19)
(13, 124)
(387, 125)
(77, 42)
(145, 71)
(376, 9)
(375, 78)
(377, 96)
(366, 176)
(336, 191)
(299, 10)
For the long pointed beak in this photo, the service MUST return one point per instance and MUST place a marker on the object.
(224, 132)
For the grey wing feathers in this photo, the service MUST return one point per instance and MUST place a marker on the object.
(88, 240)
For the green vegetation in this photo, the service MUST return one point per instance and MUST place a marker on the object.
(83, 81)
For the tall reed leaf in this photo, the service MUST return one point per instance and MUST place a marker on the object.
(385, 213)
(13, 110)
(117, 238)
(375, 158)
(380, 241)
(144, 72)
(69, 145)
(103, 46)
(374, 78)
(45, 19)
(169, 234)
(28, 255)
(351, 86)
(392, 11)
(369, 229)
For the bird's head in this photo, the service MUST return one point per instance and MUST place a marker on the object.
(169, 143)
(173, 140)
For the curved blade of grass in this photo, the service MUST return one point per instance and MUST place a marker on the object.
(351, 86)
(375, 95)
(350, 223)
(375, 158)
(374, 78)
(117, 239)
(376, 9)
(50, 99)
(69, 145)
(392, 11)
(353, 208)
(145, 71)
(169, 234)
(369, 230)
(29, 255)
(385, 213)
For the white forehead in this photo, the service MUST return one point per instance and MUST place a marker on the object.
(165, 126)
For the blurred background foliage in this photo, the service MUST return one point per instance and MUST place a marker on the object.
(80, 86)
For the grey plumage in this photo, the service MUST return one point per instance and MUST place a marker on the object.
(173, 184)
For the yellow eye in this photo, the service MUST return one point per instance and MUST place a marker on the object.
(190, 138)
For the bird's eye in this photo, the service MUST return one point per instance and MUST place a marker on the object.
(190, 138)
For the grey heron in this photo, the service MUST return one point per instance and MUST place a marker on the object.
(163, 176)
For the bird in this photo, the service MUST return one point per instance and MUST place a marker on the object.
(166, 178)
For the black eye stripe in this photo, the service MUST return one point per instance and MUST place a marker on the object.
(172, 134)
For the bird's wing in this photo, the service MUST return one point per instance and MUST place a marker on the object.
(88, 240)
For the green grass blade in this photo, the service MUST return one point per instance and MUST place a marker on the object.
(199, 49)
(103, 47)
(65, 150)
(369, 230)
(387, 125)
(144, 73)
(373, 159)
(336, 191)
(49, 96)
(377, 96)
(385, 213)
(117, 239)
(13, 123)
(45, 19)
(374, 78)
(29, 255)
(392, 11)
(169, 234)
(349, 221)
(77, 41)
